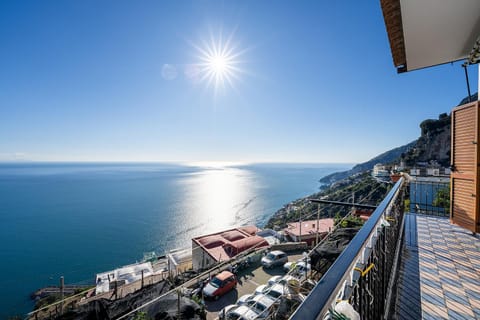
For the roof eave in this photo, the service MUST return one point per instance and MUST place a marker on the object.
(392, 15)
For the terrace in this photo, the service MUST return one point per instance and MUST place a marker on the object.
(403, 265)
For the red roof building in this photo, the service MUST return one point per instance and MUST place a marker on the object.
(222, 246)
(307, 230)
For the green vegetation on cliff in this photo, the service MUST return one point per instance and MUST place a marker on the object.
(366, 190)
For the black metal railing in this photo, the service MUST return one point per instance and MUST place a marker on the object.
(365, 273)
(429, 196)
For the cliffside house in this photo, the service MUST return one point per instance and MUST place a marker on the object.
(308, 230)
(224, 245)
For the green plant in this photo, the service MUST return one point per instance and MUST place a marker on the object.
(442, 199)
(141, 316)
(351, 222)
(337, 218)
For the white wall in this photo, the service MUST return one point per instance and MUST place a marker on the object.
(200, 259)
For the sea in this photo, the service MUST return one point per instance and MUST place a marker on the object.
(79, 219)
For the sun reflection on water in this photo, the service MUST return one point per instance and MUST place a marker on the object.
(216, 199)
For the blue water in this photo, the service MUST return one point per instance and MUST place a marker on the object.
(79, 219)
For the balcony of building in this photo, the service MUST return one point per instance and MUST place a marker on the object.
(407, 262)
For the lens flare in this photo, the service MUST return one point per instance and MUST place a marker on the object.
(220, 62)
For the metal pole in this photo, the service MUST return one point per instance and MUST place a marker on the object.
(318, 220)
(300, 226)
(306, 269)
(62, 293)
(142, 278)
(353, 202)
(468, 83)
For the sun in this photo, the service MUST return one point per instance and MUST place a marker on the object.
(219, 62)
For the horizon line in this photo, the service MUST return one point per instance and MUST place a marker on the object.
(231, 163)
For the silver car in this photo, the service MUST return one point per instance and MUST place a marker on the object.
(274, 258)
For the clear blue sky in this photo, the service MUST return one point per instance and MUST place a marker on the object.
(83, 81)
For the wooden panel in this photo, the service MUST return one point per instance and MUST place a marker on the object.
(464, 136)
(464, 202)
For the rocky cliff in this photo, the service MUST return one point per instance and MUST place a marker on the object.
(434, 141)
(433, 144)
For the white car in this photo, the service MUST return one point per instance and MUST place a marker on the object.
(243, 299)
(280, 279)
(239, 313)
(261, 288)
(261, 304)
(298, 266)
(222, 314)
(274, 279)
(275, 291)
(274, 258)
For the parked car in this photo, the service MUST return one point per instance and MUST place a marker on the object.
(261, 304)
(298, 266)
(235, 312)
(274, 258)
(219, 285)
(243, 299)
(274, 291)
(261, 288)
(222, 314)
(274, 279)
(280, 279)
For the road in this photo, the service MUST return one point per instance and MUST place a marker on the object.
(248, 280)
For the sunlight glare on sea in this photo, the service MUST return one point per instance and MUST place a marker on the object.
(215, 199)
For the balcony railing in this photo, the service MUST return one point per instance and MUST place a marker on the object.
(429, 196)
(365, 273)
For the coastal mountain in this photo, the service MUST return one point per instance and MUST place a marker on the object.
(386, 157)
(432, 145)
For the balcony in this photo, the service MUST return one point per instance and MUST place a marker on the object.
(404, 265)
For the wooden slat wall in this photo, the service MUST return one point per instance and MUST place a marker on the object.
(464, 203)
(465, 160)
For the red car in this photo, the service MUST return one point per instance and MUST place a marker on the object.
(219, 285)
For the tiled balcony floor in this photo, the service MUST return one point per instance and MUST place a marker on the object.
(440, 271)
